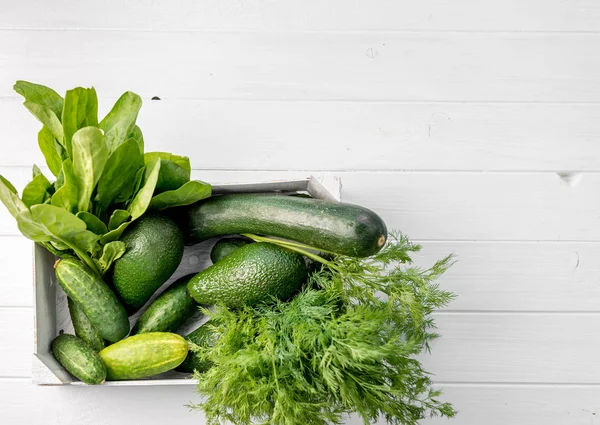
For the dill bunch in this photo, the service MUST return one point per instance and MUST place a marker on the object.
(345, 344)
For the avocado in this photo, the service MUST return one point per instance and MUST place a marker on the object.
(252, 274)
(204, 336)
(226, 246)
(154, 251)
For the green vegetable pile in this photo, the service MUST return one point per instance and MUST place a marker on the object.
(104, 181)
(338, 347)
(318, 312)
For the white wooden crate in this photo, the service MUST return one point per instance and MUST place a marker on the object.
(51, 313)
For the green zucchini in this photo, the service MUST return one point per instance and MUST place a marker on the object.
(79, 359)
(169, 311)
(84, 328)
(98, 302)
(330, 226)
(144, 355)
(204, 336)
(226, 246)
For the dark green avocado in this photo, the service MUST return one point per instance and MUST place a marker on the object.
(250, 275)
(226, 246)
(204, 336)
(154, 251)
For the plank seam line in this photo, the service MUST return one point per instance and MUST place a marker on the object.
(27, 379)
(350, 100)
(520, 384)
(445, 312)
(16, 307)
(302, 31)
(506, 241)
(366, 171)
(457, 241)
(15, 378)
(450, 312)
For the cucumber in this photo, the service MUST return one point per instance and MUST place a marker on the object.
(84, 328)
(168, 312)
(331, 226)
(204, 336)
(94, 297)
(144, 355)
(226, 246)
(79, 359)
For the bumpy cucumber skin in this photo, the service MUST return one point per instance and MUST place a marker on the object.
(226, 246)
(169, 311)
(79, 359)
(250, 275)
(204, 336)
(99, 304)
(337, 227)
(144, 355)
(84, 328)
(154, 251)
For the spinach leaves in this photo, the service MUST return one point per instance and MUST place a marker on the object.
(120, 121)
(118, 178)
(80, 110)
(89, 158)
(38, 190)
(187, 194)
(104, 180)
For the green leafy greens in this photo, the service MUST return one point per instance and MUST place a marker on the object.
(346, 344)
(102, 181)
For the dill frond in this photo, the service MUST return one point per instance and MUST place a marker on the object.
(346, 344)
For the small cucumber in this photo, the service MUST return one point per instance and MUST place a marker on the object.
(331, 226)
(94, 297)
(253, 274)
(84, 328)
(168, 312)
(204, 336)
(226, 246)
(144, 355)
(79, 359)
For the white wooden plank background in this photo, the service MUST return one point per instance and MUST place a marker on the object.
(488, 404)
(527, 348)
(488, 66)
(472, 126)
(308, 15)
(488, 276)
(447, 206)
(359, 135)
